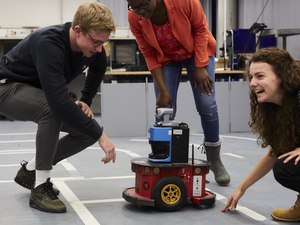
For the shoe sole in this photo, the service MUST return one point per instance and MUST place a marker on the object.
(34, 205)
(224, 184)
(285, 220)
(19, 181)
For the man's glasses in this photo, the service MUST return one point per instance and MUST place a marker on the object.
(135, 9)
(97, 42)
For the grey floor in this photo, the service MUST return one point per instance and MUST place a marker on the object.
(92, 191)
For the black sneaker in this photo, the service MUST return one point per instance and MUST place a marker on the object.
(26, 178)
(44, 199)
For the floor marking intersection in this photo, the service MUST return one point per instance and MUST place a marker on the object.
(83, 213)
(79, 207)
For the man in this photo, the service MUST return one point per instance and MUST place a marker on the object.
(33, 87)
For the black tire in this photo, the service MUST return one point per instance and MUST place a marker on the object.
(169, 193)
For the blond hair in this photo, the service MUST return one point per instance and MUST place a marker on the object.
(93, 16)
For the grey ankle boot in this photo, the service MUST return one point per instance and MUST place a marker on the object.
(213, 156)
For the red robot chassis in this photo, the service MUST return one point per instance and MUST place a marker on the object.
(167, 186)
(167, 178)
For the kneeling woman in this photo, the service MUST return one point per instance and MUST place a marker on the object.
(275, 115)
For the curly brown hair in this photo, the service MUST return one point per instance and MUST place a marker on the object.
(277, 126)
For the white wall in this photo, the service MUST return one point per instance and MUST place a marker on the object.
(277, 15)
(119, 10)
(36, 13)
(68, 9)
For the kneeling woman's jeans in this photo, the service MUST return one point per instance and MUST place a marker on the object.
(205, 104)
(287, 174)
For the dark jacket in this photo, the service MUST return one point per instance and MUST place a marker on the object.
(44, 59)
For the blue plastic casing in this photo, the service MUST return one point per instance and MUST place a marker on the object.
(160, 134)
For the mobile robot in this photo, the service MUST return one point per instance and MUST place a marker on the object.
(168, 177)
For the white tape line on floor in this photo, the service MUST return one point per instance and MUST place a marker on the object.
(78, 206)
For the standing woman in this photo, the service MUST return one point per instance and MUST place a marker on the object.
(275, 116)
(172, 34)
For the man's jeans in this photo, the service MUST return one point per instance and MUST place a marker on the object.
(20, 101)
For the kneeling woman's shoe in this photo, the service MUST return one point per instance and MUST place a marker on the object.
(289, 215)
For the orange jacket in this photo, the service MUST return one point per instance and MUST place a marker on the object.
(189, 27)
